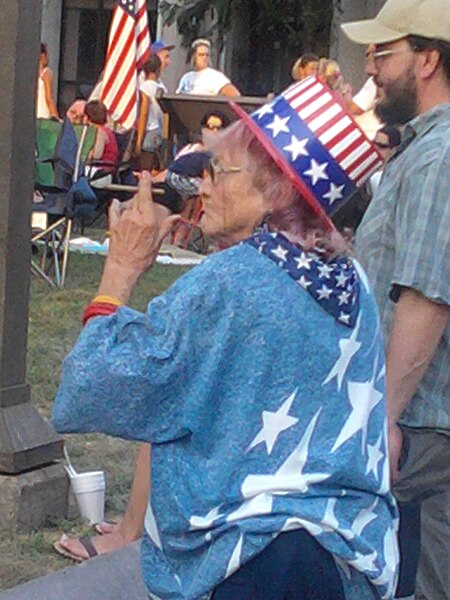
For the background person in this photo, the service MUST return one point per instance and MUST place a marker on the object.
(306, 65)
(188, 186)
(149, 131)
(386, 140)
(263, 485)
(105, 146)
(329, 73)
(75, 113)
(162, 51)
(362, 106)
(404, 243)
(203, 79)
(45, 103)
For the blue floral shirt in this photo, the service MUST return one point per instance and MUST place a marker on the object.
(266, 411)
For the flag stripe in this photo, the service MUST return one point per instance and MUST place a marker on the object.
(128, 49)
(344, 144)
(308, 111)
(298, 88)
(335, 130)
(366, 165)
(320, 142)
(303, 97)
(119, 21)
(352, 150)
(325, 118)
(118, 57)
(354, 156)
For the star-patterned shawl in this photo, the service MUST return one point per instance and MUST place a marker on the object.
(333, 284)
(266, 413)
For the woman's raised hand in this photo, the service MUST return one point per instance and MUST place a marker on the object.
(136, 235)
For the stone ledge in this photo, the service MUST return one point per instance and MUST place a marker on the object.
(27, 500)
(114, 576)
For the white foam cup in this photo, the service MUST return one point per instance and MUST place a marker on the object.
(89, 490)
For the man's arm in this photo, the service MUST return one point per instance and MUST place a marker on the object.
(99, 146)
(229, 90)
(417, 328)
(142, 123)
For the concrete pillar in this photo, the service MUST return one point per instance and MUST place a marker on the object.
(27, 442)
(349, 55)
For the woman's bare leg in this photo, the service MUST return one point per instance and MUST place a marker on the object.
(130, 527)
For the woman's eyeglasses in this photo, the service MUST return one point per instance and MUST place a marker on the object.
(216, 168)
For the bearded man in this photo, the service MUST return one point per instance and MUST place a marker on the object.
(404, 244)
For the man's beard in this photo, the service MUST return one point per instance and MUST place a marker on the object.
(400, 102)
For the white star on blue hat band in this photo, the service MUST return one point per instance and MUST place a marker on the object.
(301, 149)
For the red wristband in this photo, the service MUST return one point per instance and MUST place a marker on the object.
(96, 309)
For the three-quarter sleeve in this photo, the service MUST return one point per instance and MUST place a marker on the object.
(128, 373)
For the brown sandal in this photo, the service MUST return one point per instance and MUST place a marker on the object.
(84, 541)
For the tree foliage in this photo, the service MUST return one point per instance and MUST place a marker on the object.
(290, 21)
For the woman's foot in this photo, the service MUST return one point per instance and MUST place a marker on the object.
(106, 527)
(84, 548)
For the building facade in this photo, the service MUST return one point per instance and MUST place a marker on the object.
(76, 32)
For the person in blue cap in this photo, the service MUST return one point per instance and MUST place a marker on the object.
(258, 377)
(162, 50)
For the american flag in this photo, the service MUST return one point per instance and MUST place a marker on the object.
(316, 143)
(128, 49)
(337, 132)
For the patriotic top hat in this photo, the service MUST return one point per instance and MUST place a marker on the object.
(316, 143)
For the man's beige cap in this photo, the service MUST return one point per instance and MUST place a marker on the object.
(399, 18)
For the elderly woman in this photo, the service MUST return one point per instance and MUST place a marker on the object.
(258, 378)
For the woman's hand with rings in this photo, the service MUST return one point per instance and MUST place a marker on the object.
(136, 233)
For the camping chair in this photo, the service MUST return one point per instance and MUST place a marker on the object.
(55, 206)
(111, 180)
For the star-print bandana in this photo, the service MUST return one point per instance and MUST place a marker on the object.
(333, 284)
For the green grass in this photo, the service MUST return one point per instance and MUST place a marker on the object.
(54, 324)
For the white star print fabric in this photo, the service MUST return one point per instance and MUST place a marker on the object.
(266, 413)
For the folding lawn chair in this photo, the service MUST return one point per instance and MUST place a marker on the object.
(55, 206)
(111, 180)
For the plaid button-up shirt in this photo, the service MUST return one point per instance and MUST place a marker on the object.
(404, 240)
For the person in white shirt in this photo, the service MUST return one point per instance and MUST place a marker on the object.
(149, 132)
(203, 80)
(162, 50)
(45, 103)
(362, 107)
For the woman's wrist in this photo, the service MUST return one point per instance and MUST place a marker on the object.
(117, 282)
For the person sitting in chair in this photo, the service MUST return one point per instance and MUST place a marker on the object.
(105, 153)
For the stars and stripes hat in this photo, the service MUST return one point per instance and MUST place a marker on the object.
(316, 143)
